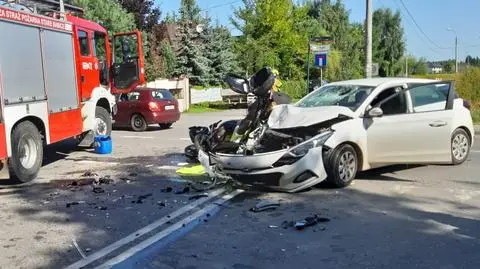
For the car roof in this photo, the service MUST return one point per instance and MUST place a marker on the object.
(375, 82)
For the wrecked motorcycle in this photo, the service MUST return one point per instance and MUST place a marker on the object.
(277, 151)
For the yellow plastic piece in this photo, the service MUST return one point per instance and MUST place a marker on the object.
(197, 170)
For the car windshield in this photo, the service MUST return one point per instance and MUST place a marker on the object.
(351, 96)
(162, 95)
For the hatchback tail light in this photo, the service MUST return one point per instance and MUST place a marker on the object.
(153, 106)
(467, 104)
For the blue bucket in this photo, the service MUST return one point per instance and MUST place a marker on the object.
(103, 144)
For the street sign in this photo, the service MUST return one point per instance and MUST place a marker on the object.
(320, 48)
(321, 59)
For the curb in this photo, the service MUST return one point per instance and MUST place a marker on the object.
(477, 129)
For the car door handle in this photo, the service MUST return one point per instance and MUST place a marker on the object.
(438, 123)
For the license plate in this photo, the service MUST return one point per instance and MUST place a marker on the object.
(169, 107)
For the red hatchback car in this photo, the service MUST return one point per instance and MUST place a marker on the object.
(146, 106)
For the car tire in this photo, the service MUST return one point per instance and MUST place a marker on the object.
(342, 166)
(165, 125)
(460, 146)
(27, 152)
(138, 123)
(103, 122)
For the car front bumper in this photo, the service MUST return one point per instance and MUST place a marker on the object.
(263, 169)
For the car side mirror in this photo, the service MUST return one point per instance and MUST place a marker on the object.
(375, 112)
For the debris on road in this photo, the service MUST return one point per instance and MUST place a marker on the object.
(98, 190)
(133, 174)
(198, 196)
(287, 224)
(167, 189)
(101, 207)
(78, 248)
(105, 180)
(162, 204)
(74, 203)
(265, 205)
(272, 226)
(141, 198)
(90, 174)
(310, 221)
(185, 190)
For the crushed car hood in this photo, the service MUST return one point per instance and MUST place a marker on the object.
(290, 116)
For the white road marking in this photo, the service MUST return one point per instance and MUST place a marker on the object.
(131, 237)
(168, 167)
(135, 136)
(182, 164)
(157, 237)
(149, 165)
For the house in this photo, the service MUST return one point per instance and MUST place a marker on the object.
(434, 68)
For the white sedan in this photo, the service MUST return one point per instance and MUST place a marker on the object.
(350, 126)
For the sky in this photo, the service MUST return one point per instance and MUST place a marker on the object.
(425, 22)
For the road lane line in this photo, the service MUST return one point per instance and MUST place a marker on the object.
(168, 167)
(131, 237)
(162, 234)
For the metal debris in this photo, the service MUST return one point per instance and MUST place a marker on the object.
(265, 205)
(198, 196)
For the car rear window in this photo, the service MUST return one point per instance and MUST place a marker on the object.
(162, 95)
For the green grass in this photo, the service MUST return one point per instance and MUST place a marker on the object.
(476, 115)
(208, 107)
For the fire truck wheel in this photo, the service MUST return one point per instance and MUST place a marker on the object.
(103, 122)
(27, 152)
(138, 123)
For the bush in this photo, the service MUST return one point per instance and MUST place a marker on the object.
(468, 85)
(296, 89)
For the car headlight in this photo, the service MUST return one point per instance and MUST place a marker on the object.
(317, 141)
(302, 149)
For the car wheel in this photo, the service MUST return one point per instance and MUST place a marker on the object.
(342, 167)
(138, 123)
(460, 146)
(27, 152)
(165, 125)
(103, 122)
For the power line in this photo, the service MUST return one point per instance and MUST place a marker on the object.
(418, 26)
(221, 5)
(419, 35)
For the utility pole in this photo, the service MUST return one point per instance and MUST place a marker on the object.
(406, 66)
(456, 47)
(368, 40)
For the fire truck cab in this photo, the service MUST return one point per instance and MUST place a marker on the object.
(58, 77)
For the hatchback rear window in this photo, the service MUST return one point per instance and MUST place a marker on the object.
(162, 95)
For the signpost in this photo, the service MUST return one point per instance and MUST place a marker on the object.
(320, 46)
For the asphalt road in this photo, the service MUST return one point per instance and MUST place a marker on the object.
(395, 217)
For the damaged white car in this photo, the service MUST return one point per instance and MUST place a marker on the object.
(346, 127)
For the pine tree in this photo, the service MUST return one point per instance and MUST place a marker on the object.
(219, 52)
(190, 49)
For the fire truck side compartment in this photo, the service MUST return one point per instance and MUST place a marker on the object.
(60, 71)
(21, 63)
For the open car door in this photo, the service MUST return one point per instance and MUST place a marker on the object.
(128, 63)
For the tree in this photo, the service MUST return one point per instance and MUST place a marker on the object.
(190, 50)
(270, 37)
(420, 67)
(388, 43)
(347, 38)
(219, 52)
(108, 13)
(145, 13)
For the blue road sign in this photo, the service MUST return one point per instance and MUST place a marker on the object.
(321, 59)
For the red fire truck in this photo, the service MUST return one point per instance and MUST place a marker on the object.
(58, 77)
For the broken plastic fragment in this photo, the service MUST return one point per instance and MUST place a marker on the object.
(265, 205)
(310, 221)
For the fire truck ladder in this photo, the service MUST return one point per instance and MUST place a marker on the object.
(49, 8)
